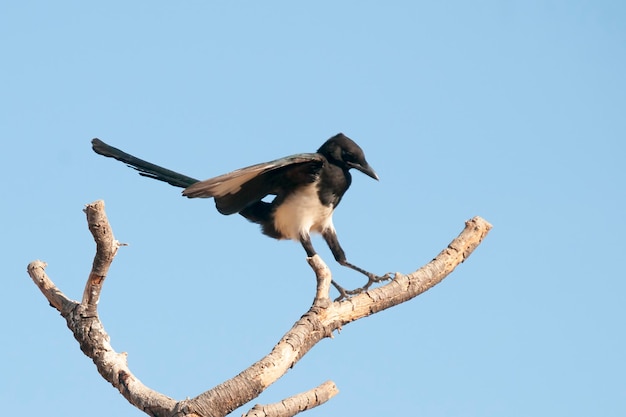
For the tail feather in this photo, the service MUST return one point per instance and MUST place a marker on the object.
(145, 168)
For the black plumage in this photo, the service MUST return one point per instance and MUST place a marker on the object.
(307, 188)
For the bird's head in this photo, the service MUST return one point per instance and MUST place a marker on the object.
(342, 151)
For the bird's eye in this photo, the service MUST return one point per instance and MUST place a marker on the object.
(347, 156)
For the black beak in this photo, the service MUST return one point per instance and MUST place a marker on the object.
(366, 169)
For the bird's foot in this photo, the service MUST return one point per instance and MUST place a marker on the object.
(371, 279)
(374, 279)
(343, 293)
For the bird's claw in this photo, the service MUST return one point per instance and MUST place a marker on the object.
(371, 279)
(345, 294)
(375, 278)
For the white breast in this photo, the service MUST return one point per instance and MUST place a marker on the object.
(302, 213)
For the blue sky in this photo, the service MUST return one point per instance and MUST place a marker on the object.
(514, 111)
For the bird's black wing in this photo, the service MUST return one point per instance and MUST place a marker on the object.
(145, 168)
(238, 189)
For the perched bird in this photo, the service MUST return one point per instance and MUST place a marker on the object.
(307, 188)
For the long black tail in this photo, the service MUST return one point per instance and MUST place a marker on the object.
(145, 168)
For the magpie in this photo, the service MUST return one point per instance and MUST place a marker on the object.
(307, 187)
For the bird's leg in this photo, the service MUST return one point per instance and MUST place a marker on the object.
(305, 241)
(371, 278)
(330, 237)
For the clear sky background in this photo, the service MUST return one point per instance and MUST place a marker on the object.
(514, 111)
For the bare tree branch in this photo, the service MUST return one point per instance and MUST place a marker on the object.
(324, 279)
(296, 404)
(56, 298)
(319, 322)
(106, 248)
(83, 320)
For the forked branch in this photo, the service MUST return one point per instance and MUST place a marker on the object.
(319, 322)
